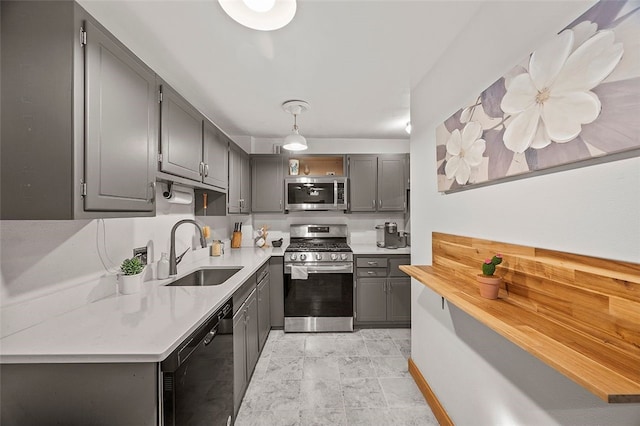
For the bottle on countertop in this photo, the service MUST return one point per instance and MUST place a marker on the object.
(163, 267)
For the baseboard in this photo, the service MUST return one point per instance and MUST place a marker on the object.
(437, 408)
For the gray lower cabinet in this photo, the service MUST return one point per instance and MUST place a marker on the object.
(276, 278)
(245, 347)
(79, 117)
(85, 394)
(240, 379)
(239, 193)
(264, 308)
(383, 292)
(267, 184)
(377, 182)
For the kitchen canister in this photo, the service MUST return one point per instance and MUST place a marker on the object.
(217, 248)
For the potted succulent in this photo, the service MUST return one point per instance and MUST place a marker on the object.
(487, 282)
(131, 277)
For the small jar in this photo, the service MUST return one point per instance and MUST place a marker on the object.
(216, 248)
(163, 267)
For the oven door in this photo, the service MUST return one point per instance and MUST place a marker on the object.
(322, 302)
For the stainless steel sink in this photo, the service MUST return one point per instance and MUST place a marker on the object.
(205, 277)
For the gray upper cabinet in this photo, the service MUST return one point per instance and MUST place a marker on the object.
(377, 182)
(121, 122)
(79, 123)
(215, 150)
(239, 193)
(363, 175)
(391, 183)
(181, 136)
(191, 146)
(267, 184)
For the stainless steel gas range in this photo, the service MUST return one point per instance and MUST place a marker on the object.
(318, 279)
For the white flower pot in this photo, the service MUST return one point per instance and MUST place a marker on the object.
(130, 284)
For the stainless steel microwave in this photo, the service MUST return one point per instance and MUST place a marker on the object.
(316, 193)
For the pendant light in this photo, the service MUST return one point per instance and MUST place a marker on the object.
(263, 15)
(295, 141)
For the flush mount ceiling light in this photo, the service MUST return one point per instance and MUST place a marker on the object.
(295, 141)
(263, 15)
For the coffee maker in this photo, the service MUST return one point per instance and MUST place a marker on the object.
(389, 237)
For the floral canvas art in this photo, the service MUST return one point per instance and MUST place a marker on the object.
(574, 99)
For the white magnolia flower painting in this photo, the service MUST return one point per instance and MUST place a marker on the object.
(574, 99)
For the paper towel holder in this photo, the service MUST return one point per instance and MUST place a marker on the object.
(167, 194)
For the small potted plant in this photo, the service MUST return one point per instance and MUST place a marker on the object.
(487, 282)
(131, 277)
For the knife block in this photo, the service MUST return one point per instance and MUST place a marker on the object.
(236, 239)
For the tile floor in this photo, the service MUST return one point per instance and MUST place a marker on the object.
(357, 378)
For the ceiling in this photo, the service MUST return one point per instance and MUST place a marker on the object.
(354, 61)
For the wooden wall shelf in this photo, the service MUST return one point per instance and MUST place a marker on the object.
(578, 314)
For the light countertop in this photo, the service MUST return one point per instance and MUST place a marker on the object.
(143, 327)
(360, 249)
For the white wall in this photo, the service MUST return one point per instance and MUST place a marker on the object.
(479, 377)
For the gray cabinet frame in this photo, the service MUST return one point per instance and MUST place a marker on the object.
(378, 183)
(47, 171)
(383, 291)
(267, 184)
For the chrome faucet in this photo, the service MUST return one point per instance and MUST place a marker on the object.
(173, 261)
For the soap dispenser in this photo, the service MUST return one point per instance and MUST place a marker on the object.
(163, 267)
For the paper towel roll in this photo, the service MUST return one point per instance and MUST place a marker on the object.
(179, 197)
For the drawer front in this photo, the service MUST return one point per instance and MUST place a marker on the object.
(371, 262)
(262, 272)
(371, 272)
(395, 262)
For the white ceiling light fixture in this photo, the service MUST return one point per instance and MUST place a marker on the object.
(295, 141)
(263, 15)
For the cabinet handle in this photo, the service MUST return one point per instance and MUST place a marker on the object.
(206, 170)
(385, 287)
(371, 273)
(280, 204)
(372, 263)
(201, 168)
(373, 203)
(380, 203)
(152, 199)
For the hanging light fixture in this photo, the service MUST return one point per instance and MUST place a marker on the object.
(263, 15)
(295, 141)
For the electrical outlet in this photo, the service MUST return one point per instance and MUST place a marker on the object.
(141, 252)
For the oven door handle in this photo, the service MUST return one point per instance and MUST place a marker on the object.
(325, 269)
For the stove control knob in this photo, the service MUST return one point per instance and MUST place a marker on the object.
(303, 256)
(334, 256)
(318, 256)
(343, 256)
(293, 256)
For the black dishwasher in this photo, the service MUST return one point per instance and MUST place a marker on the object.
(197, 378)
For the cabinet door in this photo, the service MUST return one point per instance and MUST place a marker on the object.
(215, 146)
(252, 332)
(391, 183)
(276, 278)
(264, 311)
(399, 307)
(245, 183)
(363, 182)
(120, 126)
(371, 299)
(235, 173)
(267, 184)
(239, 358)
(181, 136)
(394, 265)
